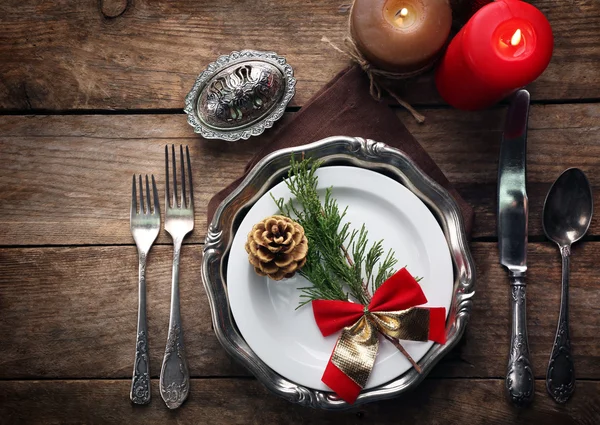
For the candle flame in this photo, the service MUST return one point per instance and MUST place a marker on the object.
(516, 38)
(402, 13)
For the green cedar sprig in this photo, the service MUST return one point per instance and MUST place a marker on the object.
(340, 263)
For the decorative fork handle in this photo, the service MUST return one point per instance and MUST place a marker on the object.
(140, 384)
(174, 375)
(560, 377)
(520, 383)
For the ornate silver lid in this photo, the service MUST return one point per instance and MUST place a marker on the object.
(239, 95)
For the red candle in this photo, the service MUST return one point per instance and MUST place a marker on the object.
(505, 45)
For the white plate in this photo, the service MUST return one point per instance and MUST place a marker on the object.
(288, 340)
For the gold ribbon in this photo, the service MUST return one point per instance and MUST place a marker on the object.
(356, 349)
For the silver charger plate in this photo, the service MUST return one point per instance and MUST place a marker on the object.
(337, 150)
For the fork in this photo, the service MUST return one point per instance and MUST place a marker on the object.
(145, 225)
(179, 221)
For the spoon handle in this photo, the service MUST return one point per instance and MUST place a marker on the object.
(520, 384)
(560, 378)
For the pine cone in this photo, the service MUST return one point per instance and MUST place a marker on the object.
(277, 247)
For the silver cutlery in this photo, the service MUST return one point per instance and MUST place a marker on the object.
(512, 243)
(145, 225)
(179, 221)
(568, 212)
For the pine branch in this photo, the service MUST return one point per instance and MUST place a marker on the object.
(340, 263)
(400, 348)
(329, 266)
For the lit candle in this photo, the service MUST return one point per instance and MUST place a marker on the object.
(402, 36)
(505, 45)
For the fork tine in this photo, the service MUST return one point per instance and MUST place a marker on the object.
(167, 192)
(133, 198)
(141, 195)
(191, 189)
(149, 207)
(182, 164)
(174, 176)
(156, 205)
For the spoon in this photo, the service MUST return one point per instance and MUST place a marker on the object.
(568, 212)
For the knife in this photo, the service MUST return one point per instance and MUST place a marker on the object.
(513, 209)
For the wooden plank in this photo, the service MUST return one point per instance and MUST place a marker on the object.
(68, 190)
(230, 401)
(71, 313)
(146, 54)
(67, 179)
(466, 146)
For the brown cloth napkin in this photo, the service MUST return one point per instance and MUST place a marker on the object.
(344, 107)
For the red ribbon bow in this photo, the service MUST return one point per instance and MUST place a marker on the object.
(392, 311)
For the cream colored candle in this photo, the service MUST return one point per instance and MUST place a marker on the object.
(402, 36)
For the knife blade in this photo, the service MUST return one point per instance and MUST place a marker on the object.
(512, 193)
(513, 208)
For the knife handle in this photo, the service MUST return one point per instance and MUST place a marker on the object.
(519, 376)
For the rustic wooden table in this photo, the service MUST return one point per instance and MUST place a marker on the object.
(91, 91)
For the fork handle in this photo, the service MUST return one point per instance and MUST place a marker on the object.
(174, 374)
(140, 384)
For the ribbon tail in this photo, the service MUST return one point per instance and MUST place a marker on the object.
(352, 360)
(340, 383)
(437, 324)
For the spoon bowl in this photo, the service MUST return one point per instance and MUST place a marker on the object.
(568, 208)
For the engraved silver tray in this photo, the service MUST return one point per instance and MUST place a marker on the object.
(338, 150)
(240, 95)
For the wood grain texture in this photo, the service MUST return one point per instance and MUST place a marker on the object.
(231, 401)
(144, 54)
(68, 309)
(66, 179)
(71, 313)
